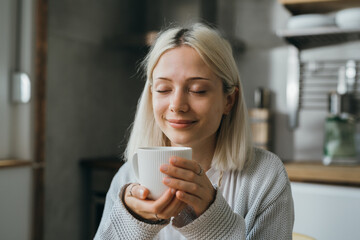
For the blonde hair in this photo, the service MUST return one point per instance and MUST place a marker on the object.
(233, 145)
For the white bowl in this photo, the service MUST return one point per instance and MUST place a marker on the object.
(348, 18)
(311, 21)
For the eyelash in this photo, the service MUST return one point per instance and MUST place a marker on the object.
(162, 91)
(196, 92)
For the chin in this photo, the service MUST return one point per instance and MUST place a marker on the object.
(180, 143)
(185, 142)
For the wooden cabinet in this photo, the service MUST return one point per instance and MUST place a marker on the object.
(317, 6)
(325, 211)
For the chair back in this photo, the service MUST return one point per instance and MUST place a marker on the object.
(298, 236)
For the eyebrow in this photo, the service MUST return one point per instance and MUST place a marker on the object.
(189, 79)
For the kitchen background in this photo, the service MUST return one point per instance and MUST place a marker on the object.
(92, 87)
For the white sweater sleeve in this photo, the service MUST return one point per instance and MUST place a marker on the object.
(217, 222)
(276, 221)
(118, 223)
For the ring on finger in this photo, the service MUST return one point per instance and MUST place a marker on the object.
(201, 170)
(131, 188)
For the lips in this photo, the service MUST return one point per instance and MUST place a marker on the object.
(180, 123)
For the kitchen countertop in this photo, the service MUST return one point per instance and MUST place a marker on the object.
(312, 172)
(316, 172)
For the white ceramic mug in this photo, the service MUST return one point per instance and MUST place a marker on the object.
(146, 164)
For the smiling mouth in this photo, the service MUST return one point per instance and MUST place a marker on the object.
(180, 123)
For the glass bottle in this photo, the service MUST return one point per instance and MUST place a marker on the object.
(340, 131)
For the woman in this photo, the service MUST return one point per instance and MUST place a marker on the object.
(230, 190)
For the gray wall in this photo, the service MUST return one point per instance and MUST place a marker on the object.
(92, 90)
(264, 61)
(16, 54)
(16, 120)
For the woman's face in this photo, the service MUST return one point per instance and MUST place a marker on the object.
(187, 97)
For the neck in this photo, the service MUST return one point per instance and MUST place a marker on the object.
(203, 153)
(204, 156)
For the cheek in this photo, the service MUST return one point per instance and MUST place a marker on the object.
(159, 107)
(213, 107)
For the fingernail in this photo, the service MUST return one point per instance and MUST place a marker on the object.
(173, 159)
(173, 191)
(141, 192)
(166, 180)
(164, 168)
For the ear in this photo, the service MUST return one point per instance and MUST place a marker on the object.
(230, 100)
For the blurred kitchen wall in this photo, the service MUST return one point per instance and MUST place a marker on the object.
(92, 90)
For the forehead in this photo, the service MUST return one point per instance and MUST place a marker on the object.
(184, 52)
(184, 58)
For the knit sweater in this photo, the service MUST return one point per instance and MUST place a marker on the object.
(255, 203)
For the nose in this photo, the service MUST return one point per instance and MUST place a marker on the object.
(179, 102)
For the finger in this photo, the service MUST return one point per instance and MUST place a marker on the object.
(189, 187)
(137, 191)
(173, 209)
(134, 192)
(158, 205)
(186, 164)
(177, 172)
(148, 208)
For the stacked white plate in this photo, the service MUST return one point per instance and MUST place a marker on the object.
(304, 21)
(348, 18)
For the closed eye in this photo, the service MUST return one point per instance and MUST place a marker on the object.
(162, 91)
(198, 92)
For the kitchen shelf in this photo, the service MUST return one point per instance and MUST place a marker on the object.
(11, 163)
(316, 172)
(297, 7)
(301, 39)
(317, 37)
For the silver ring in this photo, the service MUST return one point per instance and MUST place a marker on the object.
(130, 191)
(201, 170)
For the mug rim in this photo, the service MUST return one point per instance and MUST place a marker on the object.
(168, 148)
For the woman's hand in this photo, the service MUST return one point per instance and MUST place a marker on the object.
(165, 207)
(191, 183)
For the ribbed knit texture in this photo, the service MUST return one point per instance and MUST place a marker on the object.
(255, 203)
